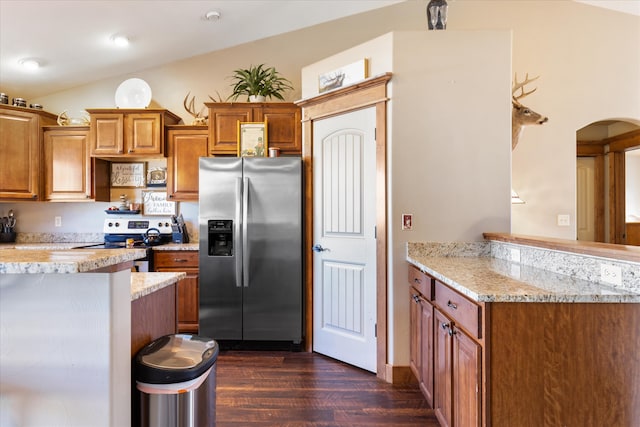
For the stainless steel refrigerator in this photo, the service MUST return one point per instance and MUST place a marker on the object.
(250, 222)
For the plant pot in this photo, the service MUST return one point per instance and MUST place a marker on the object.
(257, 98)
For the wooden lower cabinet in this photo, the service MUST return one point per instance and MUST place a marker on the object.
(188, 288)
(444, 358)
(421, 345)
(528, 363)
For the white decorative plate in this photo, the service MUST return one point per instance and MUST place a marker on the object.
(133, 93)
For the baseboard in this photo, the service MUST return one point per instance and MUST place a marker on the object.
(399, 375)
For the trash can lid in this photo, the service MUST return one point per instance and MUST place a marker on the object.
(175, 358)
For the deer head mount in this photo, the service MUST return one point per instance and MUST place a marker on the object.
(521, 115)
(198, 118)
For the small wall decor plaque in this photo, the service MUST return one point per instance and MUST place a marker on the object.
(128, 175)
(156, 203)
(157, 177)
(343, 76)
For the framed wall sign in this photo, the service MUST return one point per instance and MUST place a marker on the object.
(128, 175)
(156, 203)
(343, 76)
(252, 139)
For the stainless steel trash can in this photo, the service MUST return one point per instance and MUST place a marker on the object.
(176, 380)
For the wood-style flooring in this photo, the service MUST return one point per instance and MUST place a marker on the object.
(258, 388)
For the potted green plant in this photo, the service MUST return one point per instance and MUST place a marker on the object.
(259, 83)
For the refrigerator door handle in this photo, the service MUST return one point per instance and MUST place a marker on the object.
(245, 234)
(236, 230)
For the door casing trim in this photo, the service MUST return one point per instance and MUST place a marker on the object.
(368, 93)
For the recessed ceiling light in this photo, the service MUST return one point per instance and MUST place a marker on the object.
(212, 15)
(30, 64)
(120, 40)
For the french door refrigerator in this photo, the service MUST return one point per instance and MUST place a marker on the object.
(250, 222)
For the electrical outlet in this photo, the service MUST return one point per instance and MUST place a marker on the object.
(515, 254)
(611, 274)
(564, 220)
(57, 221)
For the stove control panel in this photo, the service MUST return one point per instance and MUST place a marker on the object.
(138, 225)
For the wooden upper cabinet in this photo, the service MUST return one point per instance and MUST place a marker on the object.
(20, 152)
(223, 126)
(129, 133)
(283, 125)
(185, 146)
(67, 164)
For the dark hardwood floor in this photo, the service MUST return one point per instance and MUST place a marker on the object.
(274, 388)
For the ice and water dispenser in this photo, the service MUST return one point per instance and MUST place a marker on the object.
(220, 237)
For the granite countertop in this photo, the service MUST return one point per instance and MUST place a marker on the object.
(146, 283)
(486, 279)
(61, 261)
(178, 247)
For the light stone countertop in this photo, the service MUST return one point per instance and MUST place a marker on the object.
(486, 279)
(47, 246)
(63, 261)
(178, 247)
(146, 283)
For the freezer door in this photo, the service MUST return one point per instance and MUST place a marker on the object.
(272, 279)
(220, 284)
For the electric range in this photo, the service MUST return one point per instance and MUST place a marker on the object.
(118, 230)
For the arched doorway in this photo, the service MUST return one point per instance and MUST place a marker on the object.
(606, 200)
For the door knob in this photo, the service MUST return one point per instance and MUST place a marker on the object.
(318, 248)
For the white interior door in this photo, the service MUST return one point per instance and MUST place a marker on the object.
(586, 212)
(344, 266)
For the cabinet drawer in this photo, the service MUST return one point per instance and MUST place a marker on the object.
(462, 311)
(422, 282)
(175, 259)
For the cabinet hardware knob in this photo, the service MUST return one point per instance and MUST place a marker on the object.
(130, 150)
(452, 305)
(445, 326)
(416, 298)
(33, 196)
(416, 280)
(451, 332)
(179, 260)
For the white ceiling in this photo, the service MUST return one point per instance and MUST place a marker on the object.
(71, 38)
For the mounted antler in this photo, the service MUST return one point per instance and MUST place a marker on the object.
(198, 118)
(521, 115)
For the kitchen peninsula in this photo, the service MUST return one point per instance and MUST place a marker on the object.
(522, 329)
(66, 334)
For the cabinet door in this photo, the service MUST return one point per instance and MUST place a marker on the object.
(426, 350)
(442, 365)
(67, 165)
(466, 380)
(223, 127)
(106, 134)
(284, 129)
(188, 302)
(415, 333)
(188, 288)
(184, 149)
(19, 155)
(143, 134)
